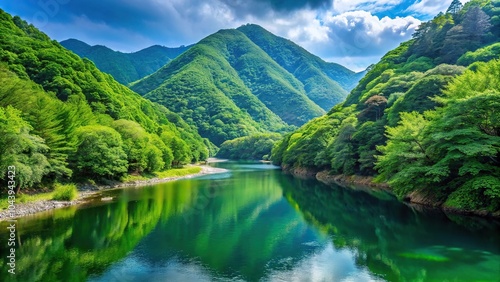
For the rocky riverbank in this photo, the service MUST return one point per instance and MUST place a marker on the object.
(425, 200)
(87, 192)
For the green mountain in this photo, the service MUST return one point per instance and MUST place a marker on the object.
(327, 84)
(62, 118)
(425, 119)
(125, 67)
(228, 86)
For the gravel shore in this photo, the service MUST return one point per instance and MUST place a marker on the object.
(88, 191)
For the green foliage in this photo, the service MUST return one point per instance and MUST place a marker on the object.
(66, 192)
(455, 148)
(58, 98)
(125, 67)
(403, 159)
(307, 146)
(253, 147)
(20, 149)
(242, 82)
(324, 83)
(135, 141)
(99, 152)
(180, 150)
(420, 122)
(179, 172)
(484, 54)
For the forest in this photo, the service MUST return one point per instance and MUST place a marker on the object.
(253, 147)
(246, 81)
(63, 120)
(425, 119)
(125, 67)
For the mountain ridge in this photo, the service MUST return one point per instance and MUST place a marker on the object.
(250, 71)
(125, 67)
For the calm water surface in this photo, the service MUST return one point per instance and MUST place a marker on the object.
(251, 224)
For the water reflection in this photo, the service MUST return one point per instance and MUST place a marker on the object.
(395, 242)
(252, 224)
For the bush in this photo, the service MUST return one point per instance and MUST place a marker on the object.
(65, 192)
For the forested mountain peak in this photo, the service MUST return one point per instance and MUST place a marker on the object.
(235, 83)
(402, 121)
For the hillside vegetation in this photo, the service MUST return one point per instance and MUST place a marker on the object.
(253, 147)
(61, 118)
(230, 86)
(425, 118)
(125, 67)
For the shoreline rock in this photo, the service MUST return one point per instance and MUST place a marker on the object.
(421, 199)
(86, 192)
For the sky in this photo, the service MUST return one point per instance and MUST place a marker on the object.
(353, 33)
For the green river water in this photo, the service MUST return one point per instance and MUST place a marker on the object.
(253, 223)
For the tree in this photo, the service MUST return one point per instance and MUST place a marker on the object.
(180, 149)
(455, 7)
(403, 163)
(466, 36)
(374, 108)
(343, 155)
(135, 141)
(166, 153)
(20, 149)
(99, 152)
(49, 126)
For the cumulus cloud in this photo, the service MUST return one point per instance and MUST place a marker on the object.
(340, 30)
(360, 32)
(355, 39)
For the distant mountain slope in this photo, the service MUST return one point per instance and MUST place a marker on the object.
(125, 67)
(228, 72)
(327, 84)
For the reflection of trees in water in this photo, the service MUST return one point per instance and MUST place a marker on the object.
(240, 231)
(243, 226)
(75, 243)
(392, 240)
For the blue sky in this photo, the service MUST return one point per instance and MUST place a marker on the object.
(354, 33)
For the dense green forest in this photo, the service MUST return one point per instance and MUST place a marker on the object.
(327, 84)
(253, 147)
(62, 119)
(125, 67)
(425, 119)
(229, 87)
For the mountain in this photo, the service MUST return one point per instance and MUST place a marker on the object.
(125, 67)
(62, 119)
(327, 84)
(228, 86)
(425, 119)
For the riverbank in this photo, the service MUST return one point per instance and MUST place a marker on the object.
(86, 192)
(425, 200)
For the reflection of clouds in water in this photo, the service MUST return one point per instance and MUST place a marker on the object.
(134, 269)
(258, 166)
(214, 176)
(326, 265)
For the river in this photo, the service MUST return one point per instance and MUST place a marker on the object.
(253, 223)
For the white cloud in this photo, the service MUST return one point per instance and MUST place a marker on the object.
(355, 39)
(347, 31)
